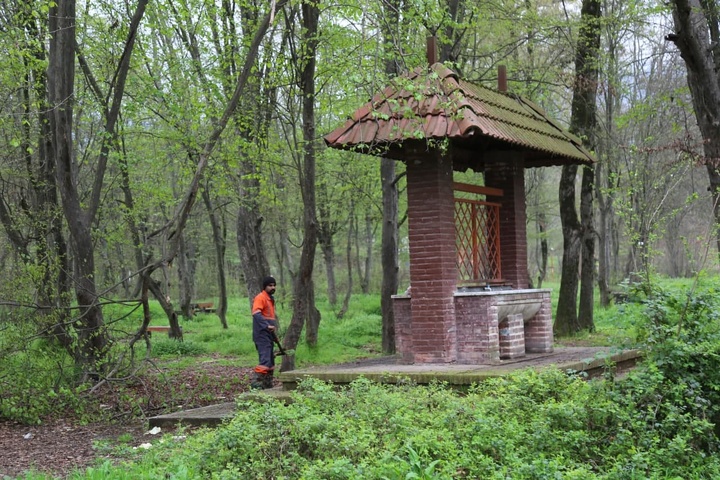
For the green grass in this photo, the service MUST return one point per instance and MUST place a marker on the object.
(356, 335)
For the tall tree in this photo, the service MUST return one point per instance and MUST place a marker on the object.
(305, 312)
(80, 212)
(697, 36)
(29, 205)
(219, 233)
(578, 234)
(251, 125)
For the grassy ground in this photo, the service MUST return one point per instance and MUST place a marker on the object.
(356, 335)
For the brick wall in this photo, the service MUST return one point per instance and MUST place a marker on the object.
(505, 170)
(479, 336)
(512, 336)
(539, 329)
(477, 329)
(433, 272)
(403, 328)
(436, 324)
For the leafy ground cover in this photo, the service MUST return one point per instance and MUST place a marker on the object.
(658, 422)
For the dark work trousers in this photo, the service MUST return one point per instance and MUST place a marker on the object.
(264, 343)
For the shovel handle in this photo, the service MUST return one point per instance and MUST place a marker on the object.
(277, 342)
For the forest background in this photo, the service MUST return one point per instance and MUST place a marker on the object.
(173, 151)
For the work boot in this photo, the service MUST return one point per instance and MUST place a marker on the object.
(268, 379)
(258, 382)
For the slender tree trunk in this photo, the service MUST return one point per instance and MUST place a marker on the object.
(250, 238)
(186, 277)
(543, 254)
(326, 232)
(367, 271)
(587, 275)
(349, 259)
(389, 259)
(604, 238)
(157, 291)
(217, 224)
(46, 245)
(133, 227)
(389, 253)
(304, 310)
(328, 252)
(251, 124)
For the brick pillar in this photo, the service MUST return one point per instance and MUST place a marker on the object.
(512, 336)
(505, 170)
(433, 271)
(539, 329)
(403, 328)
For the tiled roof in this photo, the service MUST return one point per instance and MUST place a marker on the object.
(435, 104)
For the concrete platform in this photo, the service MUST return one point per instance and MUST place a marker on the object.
(592, 361)
(214, 415)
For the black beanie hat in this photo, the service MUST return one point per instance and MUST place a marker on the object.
(267, 281)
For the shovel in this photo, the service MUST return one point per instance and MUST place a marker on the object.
(281, 351)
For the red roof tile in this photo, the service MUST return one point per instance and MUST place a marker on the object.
(435, 104)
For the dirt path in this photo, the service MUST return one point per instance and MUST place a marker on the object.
(58, 446)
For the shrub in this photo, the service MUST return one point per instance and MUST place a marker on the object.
(168, 347)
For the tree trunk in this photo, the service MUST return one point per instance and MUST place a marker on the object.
(566, 320)
(252, 122)
(92, 336)
(389, 253)
(326, 232)
(135, 230)
(587, 274)
(697, 35)
(328, 252)
(156, 289)
(604, 238)
(349, 259)
(250, 238)
(217, 223)
(304, 299)
(389, 259)
(578, 238)
(37, 204)
(186, 276)
(543, 254)
(365, 272)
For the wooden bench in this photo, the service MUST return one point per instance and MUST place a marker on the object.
(206, 307)
(159, 328)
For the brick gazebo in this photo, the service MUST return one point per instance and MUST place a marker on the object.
(469, 300)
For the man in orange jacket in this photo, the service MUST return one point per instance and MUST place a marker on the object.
(264, 326)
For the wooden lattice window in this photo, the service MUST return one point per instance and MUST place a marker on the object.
(477, 236)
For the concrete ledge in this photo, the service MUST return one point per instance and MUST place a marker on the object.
(592, 361)
(214, 415)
